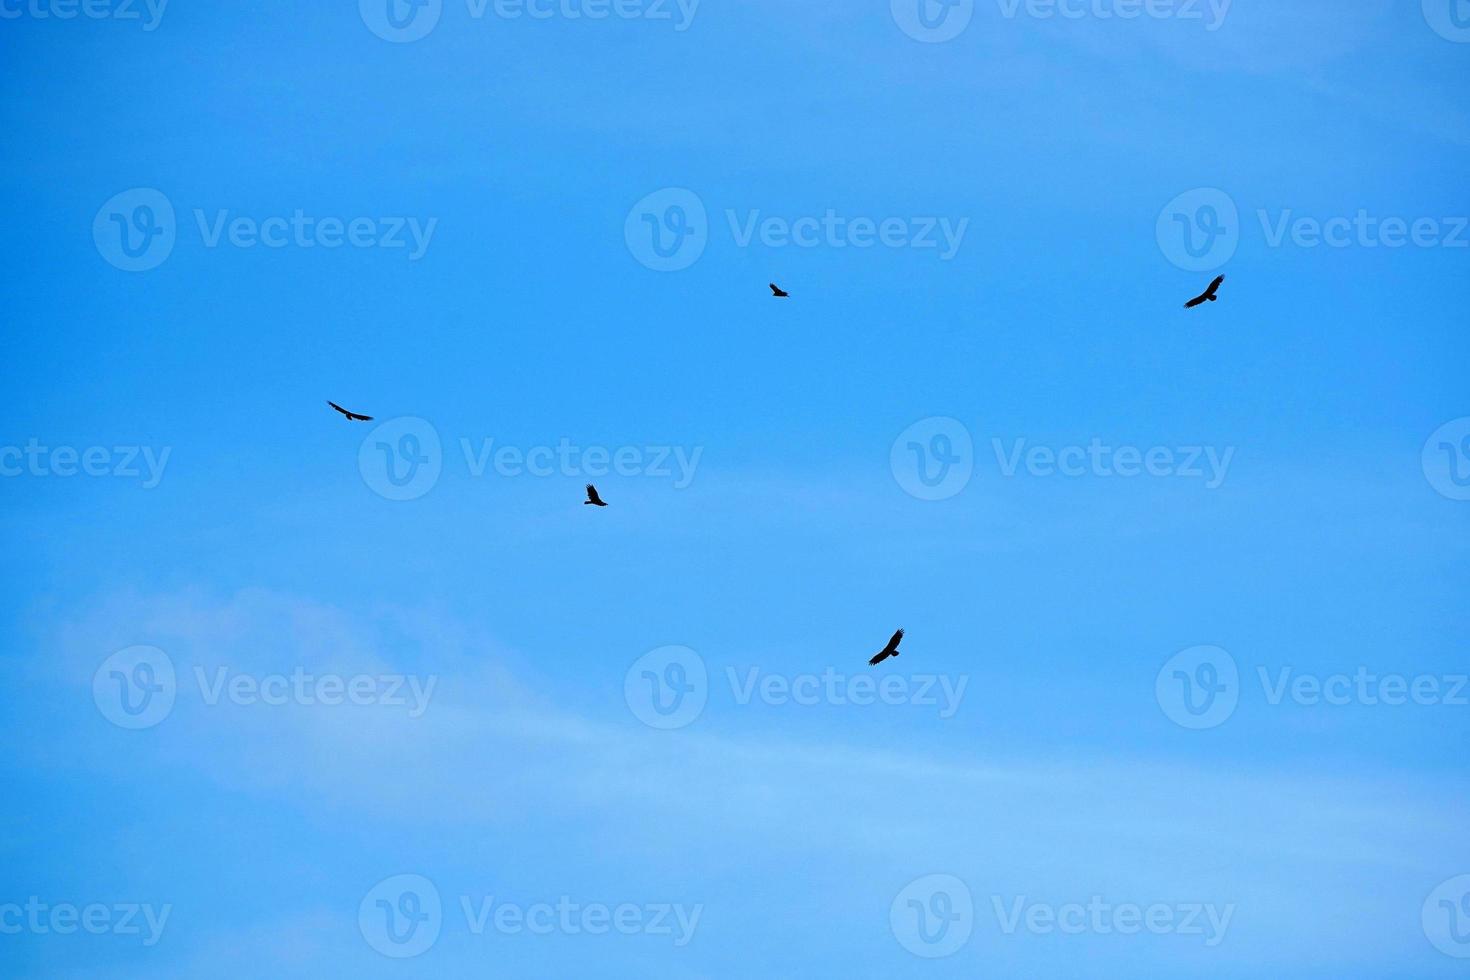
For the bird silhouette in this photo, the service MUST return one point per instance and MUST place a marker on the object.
(1209, 295)
(351, 416)
(891, 650)
(778, 292)
(593, 500)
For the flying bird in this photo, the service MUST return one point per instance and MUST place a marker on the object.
(593, 500)
(891, 650)
(778, 292)
(1209, 295)
(351, 416)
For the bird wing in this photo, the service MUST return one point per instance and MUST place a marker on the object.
(878, 659)
(893, 643)
(1215, 286)
(775, 289)
(1194, 302)
(339, 408)
(592, 494)
(359, 418)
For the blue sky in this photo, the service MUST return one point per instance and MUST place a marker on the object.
(1037, 756)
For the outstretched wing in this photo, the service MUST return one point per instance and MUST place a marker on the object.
(777, 290)
(893, 643)
(1215, 286)
(592, 496)
(1195, 302)
(878, 659)
(339, 408)
(359, 418)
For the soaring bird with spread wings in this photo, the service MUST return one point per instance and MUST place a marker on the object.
(351, 416)
(593, 500)
(778, 292)
(1208, 296)
(891, 650)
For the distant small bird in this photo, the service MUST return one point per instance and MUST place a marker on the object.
(778, 292)
(593, 500)
(351, 416)
(1208, 295)
(891, 650)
